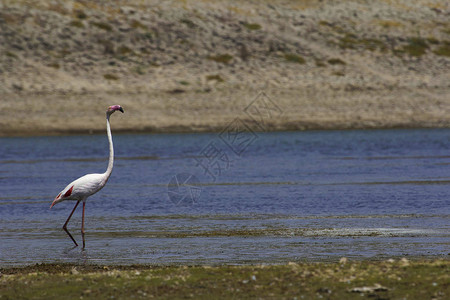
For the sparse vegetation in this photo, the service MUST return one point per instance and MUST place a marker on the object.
(154, 46)
(80, 14)
(54, 65)
(443, 50)
(294, 58)
(176, 91)
(102, 25)
(124, 50)
(148, 36)
(351, 41)
(64, 52)
(393, 279)
(252, 26)
(76, 23)
(110, 77)
(432, 41)
(222, 58)
(139, 70)
(320, 63)
(188, 23)
(108, 47)
(336, 61)
(416, 47)
(216, 77)
(389, 23)
(338, 73)
(56, 7)
(10, 54)
(136, 24)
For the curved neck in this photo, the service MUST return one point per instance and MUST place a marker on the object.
(111, 149)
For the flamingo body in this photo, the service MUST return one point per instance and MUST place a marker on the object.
(82, 188)
(87, 185)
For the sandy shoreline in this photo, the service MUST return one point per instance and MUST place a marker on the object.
(61, 114)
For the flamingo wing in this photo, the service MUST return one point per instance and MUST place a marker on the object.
(81, 188)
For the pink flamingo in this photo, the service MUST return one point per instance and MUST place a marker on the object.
(89, 184)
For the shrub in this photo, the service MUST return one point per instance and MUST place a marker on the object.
(10, 54)
(223, 58)
(102, 25)
(443, 50)
(336, 61)
(77, 23)
(216, 77)
(252, 26)
(110, 77)
(416, 47)
(294, 58)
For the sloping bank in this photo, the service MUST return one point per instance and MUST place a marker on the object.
(189, 66)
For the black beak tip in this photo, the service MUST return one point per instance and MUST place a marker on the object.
(121, 109)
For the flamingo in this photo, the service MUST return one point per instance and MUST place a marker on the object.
(87, 185)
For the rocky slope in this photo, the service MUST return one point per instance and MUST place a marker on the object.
(196, 65)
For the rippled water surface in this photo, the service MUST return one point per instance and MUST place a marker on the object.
(264, 198)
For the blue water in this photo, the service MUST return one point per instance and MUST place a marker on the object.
(256, 198)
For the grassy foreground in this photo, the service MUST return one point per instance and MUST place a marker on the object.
(391, 279)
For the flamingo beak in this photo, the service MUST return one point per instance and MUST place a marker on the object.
(57, 199)
(121, 109)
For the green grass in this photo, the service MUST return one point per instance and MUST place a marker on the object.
(294, 58)
(401, 279)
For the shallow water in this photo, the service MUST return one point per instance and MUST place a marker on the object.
(257, 198)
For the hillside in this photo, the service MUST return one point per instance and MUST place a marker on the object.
(196, 65)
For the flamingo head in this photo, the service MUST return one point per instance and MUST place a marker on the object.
(113, 108)
(65, 194)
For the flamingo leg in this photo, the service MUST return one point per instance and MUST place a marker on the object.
(65, 224)
(82, 224)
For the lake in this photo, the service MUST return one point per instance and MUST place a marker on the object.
(229, 198)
